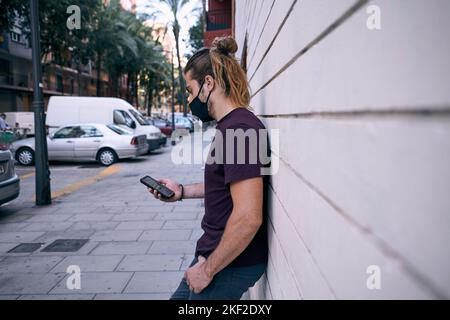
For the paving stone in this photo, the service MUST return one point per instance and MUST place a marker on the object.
(96, 282)
(48, 226)
(28, 283)
(176, 216)
(116, 235)
(57, 297)
(133, 217)
(154, 282)
(133, 296)
(89, 263)
(50, 218)
(151, 263)
(182, 224)
(169, 247)
(166, 235)
(28, 264)
(94, 225)
(92, 217)
(140, 225)
(19, 236)
(10, 227)
(128, 247)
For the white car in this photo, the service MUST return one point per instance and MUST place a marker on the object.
(65, 110)
(85, 142)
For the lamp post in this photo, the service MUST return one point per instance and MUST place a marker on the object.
(43, 194)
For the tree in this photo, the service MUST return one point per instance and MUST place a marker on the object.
(196, 40)
(175, 7)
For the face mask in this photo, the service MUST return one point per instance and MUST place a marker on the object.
(200, 109)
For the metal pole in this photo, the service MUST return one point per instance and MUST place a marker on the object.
(43, 194)
(173, 100)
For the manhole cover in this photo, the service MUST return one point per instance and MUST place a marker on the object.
(26, 248)
(65, 245)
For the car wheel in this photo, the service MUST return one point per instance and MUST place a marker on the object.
(25, 156)
(107, 157)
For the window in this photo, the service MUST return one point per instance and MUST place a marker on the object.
(123, 118)
(66, 133)
(90, 132)
(139, 117)
(118, 129)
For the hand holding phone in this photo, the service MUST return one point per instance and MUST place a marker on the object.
(157, 186)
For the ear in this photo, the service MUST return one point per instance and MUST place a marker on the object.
(209, 82)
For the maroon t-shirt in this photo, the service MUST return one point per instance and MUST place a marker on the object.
(221, 172)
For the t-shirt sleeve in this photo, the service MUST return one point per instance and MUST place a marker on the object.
(245, 158)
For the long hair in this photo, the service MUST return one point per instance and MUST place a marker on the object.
(220, 62)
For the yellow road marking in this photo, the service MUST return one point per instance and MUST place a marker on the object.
(64, 191)
(26, 176)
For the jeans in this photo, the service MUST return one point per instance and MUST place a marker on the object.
(228, 284)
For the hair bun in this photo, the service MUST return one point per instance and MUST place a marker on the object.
(225, 45)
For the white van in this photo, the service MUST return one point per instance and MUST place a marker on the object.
(21, 121)
(62, 111)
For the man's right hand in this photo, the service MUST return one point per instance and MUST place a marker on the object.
(175, 187)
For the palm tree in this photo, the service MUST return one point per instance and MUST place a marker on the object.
(175, 7)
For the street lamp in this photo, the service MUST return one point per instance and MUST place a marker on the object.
(43, 194)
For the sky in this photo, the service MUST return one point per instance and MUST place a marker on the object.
(186, 18)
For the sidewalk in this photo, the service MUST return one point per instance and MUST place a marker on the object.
(138, 247)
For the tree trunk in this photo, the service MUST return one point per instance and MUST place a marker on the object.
(127, 93)
(136, 90)
(99, 74)
(78, 78)
(150, 101)
(176, 31)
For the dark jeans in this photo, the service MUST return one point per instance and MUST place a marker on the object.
(228, 284)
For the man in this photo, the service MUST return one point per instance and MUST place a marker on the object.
(231, 256)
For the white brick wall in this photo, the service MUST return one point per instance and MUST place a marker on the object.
(364, 120)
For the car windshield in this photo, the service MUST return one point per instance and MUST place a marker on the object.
(118, 130)
(139, 117)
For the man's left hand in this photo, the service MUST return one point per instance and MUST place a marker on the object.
(197, 277)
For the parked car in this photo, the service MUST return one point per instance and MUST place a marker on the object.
(9, 181)
(63, 111)
(182, 123)
(85, 142)
(162, 125)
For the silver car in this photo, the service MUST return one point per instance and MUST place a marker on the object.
(9, 181)
(85, 142)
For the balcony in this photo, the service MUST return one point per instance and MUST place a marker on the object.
(218, 24)
(218, 20)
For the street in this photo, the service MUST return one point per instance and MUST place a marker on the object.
(137, 247)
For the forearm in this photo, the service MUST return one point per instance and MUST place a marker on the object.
(194, 191)
(238, 234)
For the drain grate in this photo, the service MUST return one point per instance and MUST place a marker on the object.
(26, 248)
(65, 245)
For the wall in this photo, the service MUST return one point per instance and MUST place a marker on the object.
(364, 120)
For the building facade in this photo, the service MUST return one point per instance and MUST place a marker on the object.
(219, 20)
(359, 92)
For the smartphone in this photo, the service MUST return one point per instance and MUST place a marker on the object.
(155, 185)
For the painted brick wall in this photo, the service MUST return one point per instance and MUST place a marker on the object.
(364, 120)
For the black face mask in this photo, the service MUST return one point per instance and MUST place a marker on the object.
(200, 109)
